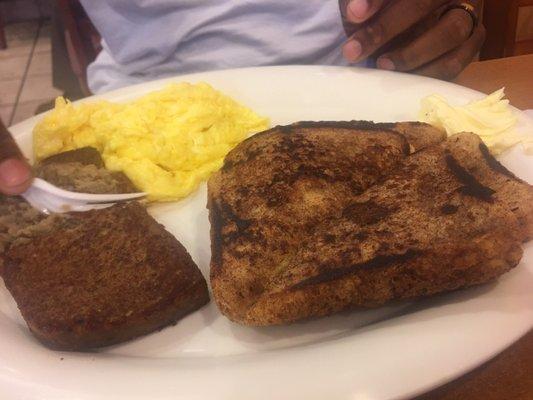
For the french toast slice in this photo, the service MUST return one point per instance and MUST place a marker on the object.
(357, 227)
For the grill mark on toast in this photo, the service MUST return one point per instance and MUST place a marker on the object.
(285, 129)
(351, 125)
(304, 162)
(227, 215)
(380, 261)
(366, 213)
(472, 187)
(448, 209)
(249, 156)
(494, 164)
(216, 241)
(394, 125)
(406, 147)
(359, 125)
(354, 124)
(291, 130)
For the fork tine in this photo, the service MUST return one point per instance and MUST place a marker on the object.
(88, 197)
(50, 199)
(49, 203)
(88, 207)
(35, 202)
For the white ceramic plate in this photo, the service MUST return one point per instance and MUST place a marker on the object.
(388, 353)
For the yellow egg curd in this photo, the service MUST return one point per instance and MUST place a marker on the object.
(166, 142)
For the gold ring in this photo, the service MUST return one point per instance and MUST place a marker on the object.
(469, 8)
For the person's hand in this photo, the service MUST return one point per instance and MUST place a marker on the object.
(427, 37)
(15, 172)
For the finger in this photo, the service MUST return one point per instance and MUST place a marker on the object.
(15, 176)
(451, 31)
(389, 23)
(8, 146)
(15, 173)
(358, 11)
(448, 66)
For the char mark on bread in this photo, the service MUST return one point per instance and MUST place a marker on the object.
(494, 164)
(472, 187)
(380, 261)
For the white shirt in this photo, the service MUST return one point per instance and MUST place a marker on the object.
(150, 39)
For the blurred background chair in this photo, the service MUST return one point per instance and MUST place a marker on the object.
(3, 41)
(78, 39)
(501, 18)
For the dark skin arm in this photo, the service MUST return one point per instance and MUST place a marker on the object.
(412, 35)
(15, 172)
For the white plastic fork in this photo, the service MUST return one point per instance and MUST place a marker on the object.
(48, 198)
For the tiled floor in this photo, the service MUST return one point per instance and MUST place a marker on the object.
(25, 71)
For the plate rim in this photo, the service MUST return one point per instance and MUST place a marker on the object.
(20, 129)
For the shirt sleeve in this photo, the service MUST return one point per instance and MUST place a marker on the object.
(138, 33)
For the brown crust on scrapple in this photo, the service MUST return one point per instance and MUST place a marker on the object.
(102, 277)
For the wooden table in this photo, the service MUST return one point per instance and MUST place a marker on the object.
(508, 376)
(515, 73)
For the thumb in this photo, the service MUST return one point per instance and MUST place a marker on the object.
(15, 172)
(358, 11)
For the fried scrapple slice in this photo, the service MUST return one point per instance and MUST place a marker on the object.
(434, 221)
(80, 170)
(102, 277)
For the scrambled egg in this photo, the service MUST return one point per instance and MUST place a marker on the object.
(491, 118)
(166, 142)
